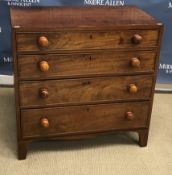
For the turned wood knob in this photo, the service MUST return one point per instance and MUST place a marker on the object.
(44, 123)
(44, 93)
(44, 66)
(137, 39)
(135, 62)
(133, 88)
(130, 116)
(43, 41)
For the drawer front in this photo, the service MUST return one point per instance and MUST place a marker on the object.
(53, 65)
(86, 90)
(83, 119)
(80, 40)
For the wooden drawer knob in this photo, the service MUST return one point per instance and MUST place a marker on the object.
(44, 123)
(44, 66)
(130, 116)
(137, 39)
(43, 41)
(44, 93)
(133, 88)
(135, 62)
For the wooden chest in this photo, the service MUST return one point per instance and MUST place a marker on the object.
(83, 71)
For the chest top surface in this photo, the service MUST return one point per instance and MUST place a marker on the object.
(74, 17)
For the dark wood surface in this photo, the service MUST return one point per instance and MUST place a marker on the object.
(84, 90)
(87, 40)
(16, 84)
(143, 137)
(65, 17)
(83, 119)
(85, 64)
(73, 72)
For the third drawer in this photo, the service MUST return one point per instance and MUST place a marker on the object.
(84, 90)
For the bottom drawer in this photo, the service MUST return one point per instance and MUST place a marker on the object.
(83, 119)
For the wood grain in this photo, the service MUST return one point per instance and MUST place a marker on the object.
(84, 90)
(78, 17)
(84, 64)
(83, 119)
(86, 40)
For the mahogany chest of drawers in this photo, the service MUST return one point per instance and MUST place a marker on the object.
(82, 71)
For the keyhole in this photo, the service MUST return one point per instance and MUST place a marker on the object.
(84, 83)
(121, 40)
(88, 109)
(90, 58)
(91, 37)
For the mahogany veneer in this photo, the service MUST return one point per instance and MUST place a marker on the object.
(83, 71)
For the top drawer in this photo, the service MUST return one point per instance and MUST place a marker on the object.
(86, 40)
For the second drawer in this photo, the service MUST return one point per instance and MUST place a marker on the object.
(68, 65)
(86, 90)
